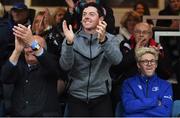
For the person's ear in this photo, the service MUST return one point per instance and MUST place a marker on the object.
(101, 18)
(151, 34)
(138, 65)
(156, 65)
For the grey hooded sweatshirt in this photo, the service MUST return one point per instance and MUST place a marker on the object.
(88, 63)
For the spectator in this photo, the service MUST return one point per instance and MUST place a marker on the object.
(43, 26)
(55, 39)
(4, 13)
(42, 23)
(58, 15)
(3, 51)
(38, 25)
(34, 74)
(127, 23)
(2, 10)
(142, 37)
(172, 8)
(149, 95)
(19, 14)
(170, 44)
(55, 36)
(88, 56)
(74, 14)
(4, 34)
(142, 8)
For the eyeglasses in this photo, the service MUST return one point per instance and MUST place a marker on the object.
(27, 46)
(141, 32)
(132, 20)
(148, 62)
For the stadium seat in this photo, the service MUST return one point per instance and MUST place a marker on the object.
(176, 108)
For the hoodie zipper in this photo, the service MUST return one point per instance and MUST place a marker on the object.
(147, 82)
(87, 99)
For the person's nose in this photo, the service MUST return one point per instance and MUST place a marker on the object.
(87, 16)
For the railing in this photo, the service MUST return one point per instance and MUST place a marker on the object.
(155, 18)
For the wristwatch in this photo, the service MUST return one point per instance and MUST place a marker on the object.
(35, 45)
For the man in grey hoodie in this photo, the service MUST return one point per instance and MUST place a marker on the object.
(88, 55)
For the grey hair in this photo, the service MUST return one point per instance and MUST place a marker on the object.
(144, 50)
(143, 24)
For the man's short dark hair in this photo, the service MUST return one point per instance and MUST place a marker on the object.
(99, 8)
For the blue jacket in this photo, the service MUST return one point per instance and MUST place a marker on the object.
(142, 96)
(88, 63)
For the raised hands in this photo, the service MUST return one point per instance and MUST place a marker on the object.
(68, 32)
(158, 48)
(23, 37)
(23, 33)
(71, 5)
(101, 29)
(141, 43)
(19, 45)
(47, 18)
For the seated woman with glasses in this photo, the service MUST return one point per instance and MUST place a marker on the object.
(146, 94)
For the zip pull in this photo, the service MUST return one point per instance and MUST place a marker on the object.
(147, 81)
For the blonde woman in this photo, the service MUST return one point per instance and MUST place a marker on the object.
(42, 22)
(58, 15)
(127, 23)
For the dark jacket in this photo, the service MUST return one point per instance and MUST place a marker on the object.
(54, 39)
(4, 54)
(35, 91)
(141, 97)
(5, 49)
(11, 37)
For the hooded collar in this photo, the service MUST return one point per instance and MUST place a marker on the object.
(86, 35)
(144, 79)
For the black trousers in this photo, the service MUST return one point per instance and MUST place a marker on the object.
(100, 106)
